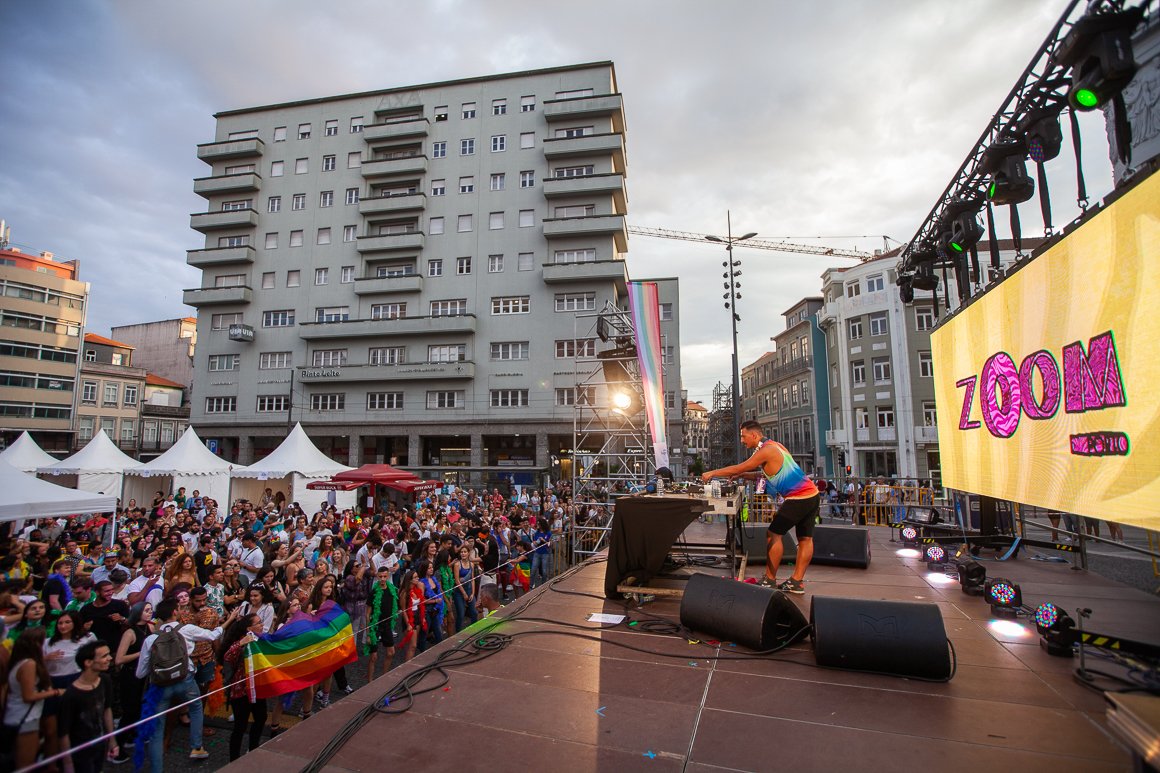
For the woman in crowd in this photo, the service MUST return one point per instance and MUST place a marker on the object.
(259, 601)
(268, 577)
(464, 595)
(60, 650)
(245, 629)
(29, 686)
(287, 613)
(435, 609)
(234, 593)
(35, 615)
(130, 689)
(181, 570)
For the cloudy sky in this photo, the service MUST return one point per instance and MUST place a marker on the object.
(814, 120)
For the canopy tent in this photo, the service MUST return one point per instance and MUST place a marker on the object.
(25, 496)
(375, 473)
(98, 467)
(291, 468)
(25, 455)
(187, 463)
(378, 475)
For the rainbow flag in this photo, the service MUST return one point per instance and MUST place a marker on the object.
(309, 648)
(643, 300)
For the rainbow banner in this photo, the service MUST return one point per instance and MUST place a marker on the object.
(646, 321)
(300, 654)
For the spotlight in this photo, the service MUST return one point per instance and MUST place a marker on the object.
(1055, 629)
(1098, 49)
(961, 231)
(924, 515)
(909, 535)
(935, 557)
(924, 278)
(1009, 181)
(972, 577)
(1043, 136)
(1003, 595)
(905, 289)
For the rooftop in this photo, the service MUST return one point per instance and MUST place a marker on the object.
(93, 338)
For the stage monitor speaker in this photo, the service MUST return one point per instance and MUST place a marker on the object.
(902, 638)
(753, 544)
(754, 617)
(842, 546)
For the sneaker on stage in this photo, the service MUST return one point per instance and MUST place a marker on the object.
(765, 582)
(791, 585)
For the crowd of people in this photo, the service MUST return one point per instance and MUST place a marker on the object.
(101, 632)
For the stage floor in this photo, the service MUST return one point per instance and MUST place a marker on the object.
(555, 701)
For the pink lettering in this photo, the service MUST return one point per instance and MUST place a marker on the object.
(1092, 380)
(1001, 399)
(1049, 372)
(968, 401)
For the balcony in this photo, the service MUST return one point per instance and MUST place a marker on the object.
(581, 108)
(216, 221)
(389, 167)
(220, 256)
(215, 296)
(409, 241)
(388, 285)
(589, 145)
(165, 411)
(887, 434)
(389, 205)
(926, 434)
(393, 130)
(828, 314)
(247, 182)
(790, 368)
(406, 326)
(406, 371)
(229, 150)
(862, 436)
(836, 437)
(595, 271)
(592, 225)
(589, 185)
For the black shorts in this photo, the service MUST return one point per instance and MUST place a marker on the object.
(386, 633)
(801, 514)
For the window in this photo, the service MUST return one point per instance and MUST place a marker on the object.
(853, 290)
(331, 313)
(323, 236)
(527, 140)
(527, 218)
(498, 181)
(326, 199)
(573, 94)
(329, 401)
(274, 204)
(874, 284)
(352, 195)
(528, 178)
(89, 392)
(468, 110)
(328, 163)
(464, 224)
(528, 103)
(574, 171)
(279, 318)
(447, 353)
(387, 355)
(272, 241)
(268, 280)
(293, 278)
(435, 267)
(509, 398)
(666, 312)
(298, 202)
(301, 165)
(499, 107)
(295, 238)
(331, 128)
(495, 221)
(805, 346)
(221, 404)
(793, 394)
(575, 301)
(510, 350)
(854, 328)
(384, 401)
(277, 168)
(273, 403)
(128, 430)
(467, 147)
(466, 184)
(451, 308)
(861, 418)
(445, 399)
(498, 143)
(349, 233)
(581, 347)
(885, 417)
(241, 169)
(878, 324)
(321, 276)
(237, 206)
(785, 397)
(929, 415)
(881, 370)
(438, 150)
(576, 210)
(219, 362)
(924, 317)
(328, 358)
(463, 266)
(303, 131)
(273, 360)
(353, 159)
(279, 134)
(356, 124)
(438, 187)
(925, 365)
(441, 113)
(494, 264)
(223, 321)
(435, 226)
(525, 261)
(858, 373)
(567, 396)
(575, 131)
(575, 256)
(514, 304)
(388, 310)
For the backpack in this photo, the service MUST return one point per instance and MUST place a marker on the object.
(169, 658)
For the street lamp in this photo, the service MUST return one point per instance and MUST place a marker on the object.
(732, 295)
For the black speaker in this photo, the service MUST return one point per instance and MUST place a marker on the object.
(903, 638)
(752, 541)
(754, 617)
(842, 546)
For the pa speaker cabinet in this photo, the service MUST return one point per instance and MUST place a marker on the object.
(752, 541)
(902, 638)
(842, 546)
(752, 616)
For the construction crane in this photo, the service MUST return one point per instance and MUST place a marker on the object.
(761, 244)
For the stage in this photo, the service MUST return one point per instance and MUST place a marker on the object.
(553, 701)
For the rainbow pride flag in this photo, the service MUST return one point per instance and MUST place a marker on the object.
(309, 648)
(643, 300)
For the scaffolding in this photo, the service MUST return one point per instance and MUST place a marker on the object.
(722, 429)
(610, 443)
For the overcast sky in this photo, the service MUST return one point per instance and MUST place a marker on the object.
(815, 120)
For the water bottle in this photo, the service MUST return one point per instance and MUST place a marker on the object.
(715, 489)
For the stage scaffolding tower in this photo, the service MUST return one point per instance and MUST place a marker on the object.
(611, 451)
(722, 429)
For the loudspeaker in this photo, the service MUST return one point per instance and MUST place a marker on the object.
(754, 617)
(842, 546)
(903, 638)
(751, 541)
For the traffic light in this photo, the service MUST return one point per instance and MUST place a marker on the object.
(849, 470)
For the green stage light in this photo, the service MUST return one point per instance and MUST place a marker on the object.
(1087, 99)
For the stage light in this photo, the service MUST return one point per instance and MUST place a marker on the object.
(972, 577)
(1003, 595)
(625, 402)
(905, 289)
(963, 232)
(1043, 136)
(924, 278)
(935, 557)
(1056, 629)
(1098, 49)
(909, 535)
(1009, 182)
(922, 515)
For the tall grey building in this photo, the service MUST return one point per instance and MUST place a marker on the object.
(401, 270)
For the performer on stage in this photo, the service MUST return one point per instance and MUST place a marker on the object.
(800, 509)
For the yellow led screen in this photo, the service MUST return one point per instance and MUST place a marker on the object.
(1048, 387)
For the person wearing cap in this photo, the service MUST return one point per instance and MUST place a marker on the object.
(108, 565)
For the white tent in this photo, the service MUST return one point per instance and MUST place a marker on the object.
(98, 467)
(187, 463)
(24, 454)
(288, 468)
(25, 496)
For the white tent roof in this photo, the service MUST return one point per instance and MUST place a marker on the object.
(25, 454)
(25, 496)
(99, 455)
(188, 456)
(297, 453)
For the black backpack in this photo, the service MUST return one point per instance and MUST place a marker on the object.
(169, 658)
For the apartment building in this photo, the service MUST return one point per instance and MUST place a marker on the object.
(759, 394)
(42, 314)
(165, 348)
(696, 432)
(799, 384)
(110, 394)
(164, 415)
(402, 270)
